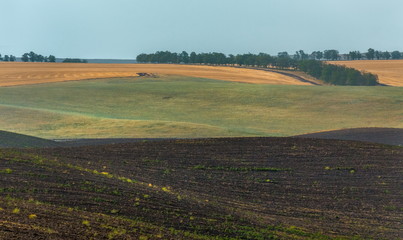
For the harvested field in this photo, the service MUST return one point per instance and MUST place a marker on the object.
(390, 72)
(237, 188)
(12, 74)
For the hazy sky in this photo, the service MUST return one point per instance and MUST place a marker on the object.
(126, 28)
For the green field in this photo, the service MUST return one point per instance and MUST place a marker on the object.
(192, 107)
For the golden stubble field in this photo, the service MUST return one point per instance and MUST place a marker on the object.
(390, 72)
(13, 74)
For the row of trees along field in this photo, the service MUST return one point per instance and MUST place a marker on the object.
(374, 54)
(333, 74)
(33, 57)
(8, 58)
(74, 60)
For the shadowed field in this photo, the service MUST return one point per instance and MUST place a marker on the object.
(393, 136)
(240, 188)
(191, 107)
(14, 140)
(12, 74)
(390, 72)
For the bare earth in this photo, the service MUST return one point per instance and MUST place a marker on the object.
(390, 72)
(13, 74)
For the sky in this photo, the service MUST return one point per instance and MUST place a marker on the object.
(122, 29)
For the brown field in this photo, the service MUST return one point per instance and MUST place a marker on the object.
(225, 188)
(12, 74)
(390, 72)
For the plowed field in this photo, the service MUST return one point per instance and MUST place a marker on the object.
(230, 188)
(390, 72)
(12, 74)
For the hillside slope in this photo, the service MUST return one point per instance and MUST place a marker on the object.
(14, 140)
(13, 74)
(243, 188)
(183, 107)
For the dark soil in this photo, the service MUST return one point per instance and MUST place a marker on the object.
(392, 136)
(244, 188)
(9, 139)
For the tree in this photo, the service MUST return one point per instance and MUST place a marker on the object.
(318, 55)
(283, 55)
(6, 58)
(40, 58)
(370, 54)
(303, 55)
(32, 56)
(51, 58)
(353, 55)
(386, 55)
(12, 58)
(184, 57)
(231, 59)
(1, 59)
(396, 55)
(378, 55)
(331, 55)
(192, 58)
(25, 57)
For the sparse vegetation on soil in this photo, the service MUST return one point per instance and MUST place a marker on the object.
(244, 188)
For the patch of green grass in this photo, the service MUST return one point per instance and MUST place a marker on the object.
(6, 171)
(195, 108)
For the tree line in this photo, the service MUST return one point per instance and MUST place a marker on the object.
(336, 74)
(74, 60)
(374, 54)
(8, 58)
(333, 74)
(33, 57)
(220, 58)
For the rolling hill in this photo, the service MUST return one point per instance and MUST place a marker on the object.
(13, 74)
(184, 107)
(238, 188)
(14, 140)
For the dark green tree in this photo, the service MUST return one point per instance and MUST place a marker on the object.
(51, 58)
(25, 57)
(283, 54)
(396, 55)
(331, 55)
(386, 55)
(6, 58)
(318, 55)
(378, 54)
(40, 58)
(192, 58)
(370, 54)
(184, 57)
(354, 55)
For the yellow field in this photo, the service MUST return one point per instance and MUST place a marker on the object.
(390, 72)
(12, 74)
